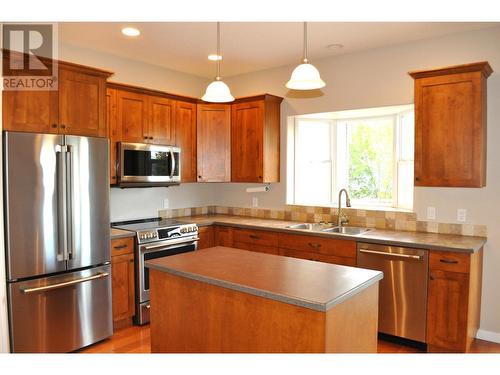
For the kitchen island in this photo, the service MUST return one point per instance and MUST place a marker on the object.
(222, 300)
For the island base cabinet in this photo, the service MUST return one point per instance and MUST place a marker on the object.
(205, 318)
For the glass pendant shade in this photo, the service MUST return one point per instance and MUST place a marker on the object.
(305, 77)
(218, 92)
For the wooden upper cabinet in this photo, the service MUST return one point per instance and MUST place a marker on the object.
(255, 139)
(185, 135)
(30, 111)
(82, 103)
(114, 134)
(450, 126)
(77, 107)
(214, 142)
(132, 116)
(161, 128)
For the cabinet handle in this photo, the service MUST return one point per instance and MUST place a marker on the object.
(120, 247)
(151, 138)
(253, 236)
(448, 261)
(131, 261)
(53, 126)
(145, 137)
(199, 176)
(314, 245)
(63, 126)
(417, 178)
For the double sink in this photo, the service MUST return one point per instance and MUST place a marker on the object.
(325, 228)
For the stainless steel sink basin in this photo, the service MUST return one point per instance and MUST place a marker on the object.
(309, 226)
(346, 230)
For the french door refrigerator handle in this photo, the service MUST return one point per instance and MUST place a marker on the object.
(64, 284)
(62, 229)
(69, 203)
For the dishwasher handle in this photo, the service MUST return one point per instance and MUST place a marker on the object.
(393, 255)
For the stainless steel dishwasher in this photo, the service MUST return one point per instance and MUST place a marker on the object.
(403, 290)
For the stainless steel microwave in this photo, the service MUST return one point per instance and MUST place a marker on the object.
(141, 164)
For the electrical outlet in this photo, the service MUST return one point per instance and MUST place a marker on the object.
(255, 202)
(165, 203)
(461, 215)
(431, 213)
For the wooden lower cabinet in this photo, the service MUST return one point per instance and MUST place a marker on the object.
(318, 257)
(256, 240)
(206, 235)
(453, 301)
(223, 236)
(123, 293)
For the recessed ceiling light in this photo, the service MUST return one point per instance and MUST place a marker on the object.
(335, 46)
(130, 31)
(214, 57)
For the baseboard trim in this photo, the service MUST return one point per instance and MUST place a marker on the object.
(488, 335)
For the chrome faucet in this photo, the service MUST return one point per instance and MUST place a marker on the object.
(342, 219)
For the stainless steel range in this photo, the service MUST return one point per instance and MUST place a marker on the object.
(156, 238)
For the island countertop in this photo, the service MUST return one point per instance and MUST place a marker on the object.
(314, 285)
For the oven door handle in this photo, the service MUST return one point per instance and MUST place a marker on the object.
(170, 243)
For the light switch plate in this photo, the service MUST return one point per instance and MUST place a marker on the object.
(255, 202)
(431, 213)
(165, 203)
(461, 215)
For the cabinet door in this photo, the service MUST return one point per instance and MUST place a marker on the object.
(206, 235)
(131, 116)
(185, 136)
(449, 131)
(82, 104)
(223, 236)
(161, 129)
(113, 133)
(122, 268)
(447, 310)
(30, 111)
(247, 123)
(214, 142)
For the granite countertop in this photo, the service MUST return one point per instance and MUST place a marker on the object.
(120, 233)
(313, 285)
(432, 241)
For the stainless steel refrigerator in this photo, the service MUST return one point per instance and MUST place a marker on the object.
(57, 241)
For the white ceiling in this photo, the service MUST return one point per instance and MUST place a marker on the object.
(246, 46)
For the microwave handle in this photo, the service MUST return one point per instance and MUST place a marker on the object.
(172, 164)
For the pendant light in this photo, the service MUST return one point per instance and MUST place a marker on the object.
(218, 91)
(305, 76)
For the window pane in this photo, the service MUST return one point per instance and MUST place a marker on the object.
(313, 183)
(370, 159)
(407, 136)
(313, 172)
(313, 140)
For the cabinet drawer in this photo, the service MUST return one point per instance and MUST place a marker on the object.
(449, 261)
(318, 257)
(325, 246)
(256, 247)
(121, 246)
(257, 237)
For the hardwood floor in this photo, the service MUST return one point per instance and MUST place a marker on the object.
(137, 340)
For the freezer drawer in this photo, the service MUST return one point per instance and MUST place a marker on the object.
(61, 313)
(403, 290)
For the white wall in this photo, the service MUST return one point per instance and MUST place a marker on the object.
(140, 203)
(378, 77)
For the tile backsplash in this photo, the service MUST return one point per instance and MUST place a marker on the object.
(380, 219)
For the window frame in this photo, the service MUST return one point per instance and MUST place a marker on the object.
(397, 120)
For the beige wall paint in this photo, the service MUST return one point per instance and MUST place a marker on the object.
(379, 77)
(139, 203)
